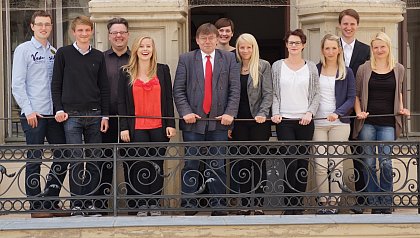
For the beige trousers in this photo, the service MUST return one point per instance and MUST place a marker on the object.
(330, 166)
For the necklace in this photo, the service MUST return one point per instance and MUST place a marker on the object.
(245, 70)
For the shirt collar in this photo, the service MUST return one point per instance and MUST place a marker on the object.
(80, 50)
(111, 51)
(343, 43)
(203, 55)
(38, 44)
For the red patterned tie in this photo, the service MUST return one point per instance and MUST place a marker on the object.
(207, 86)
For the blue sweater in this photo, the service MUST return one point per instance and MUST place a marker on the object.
(345, 94)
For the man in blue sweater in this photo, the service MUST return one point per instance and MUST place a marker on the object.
(81, 94)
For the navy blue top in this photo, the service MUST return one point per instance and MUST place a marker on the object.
(345, 94)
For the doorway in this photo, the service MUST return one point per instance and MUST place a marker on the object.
(267, 24)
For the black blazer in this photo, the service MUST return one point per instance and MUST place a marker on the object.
(126, 100)
(361, 54)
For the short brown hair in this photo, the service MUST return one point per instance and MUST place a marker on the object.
(206, 29)
(224, 22)
(40, 13)
(297, 32)
(81, 20)
(117, 20)
(349, 12)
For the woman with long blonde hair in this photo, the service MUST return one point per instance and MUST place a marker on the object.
(145, 91)
(379, 91)
(255, 103)
(337, 90)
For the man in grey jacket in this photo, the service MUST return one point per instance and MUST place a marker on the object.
(206, 86)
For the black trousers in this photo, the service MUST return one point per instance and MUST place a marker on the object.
(146, 176)
(296, 167)
(251, 172)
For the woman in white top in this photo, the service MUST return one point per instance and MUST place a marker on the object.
(338, 92)
(296, 98)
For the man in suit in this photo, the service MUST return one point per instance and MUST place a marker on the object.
(206, 86)
(355, 54)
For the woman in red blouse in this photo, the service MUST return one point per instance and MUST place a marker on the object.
(145, 91)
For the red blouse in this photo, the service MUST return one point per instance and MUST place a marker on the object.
(147, 103)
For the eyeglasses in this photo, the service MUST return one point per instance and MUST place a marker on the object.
(204, 38)
(40, 24)
(114, 33)
(296, 43)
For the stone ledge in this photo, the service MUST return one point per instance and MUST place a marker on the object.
(173, 221)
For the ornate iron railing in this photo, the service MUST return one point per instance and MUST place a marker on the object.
(272, 175)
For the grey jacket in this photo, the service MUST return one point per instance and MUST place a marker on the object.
(188, 89)
(261, 97)
(314, 96)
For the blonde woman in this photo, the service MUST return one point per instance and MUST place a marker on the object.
(145, 90)
(379, 89)
(255, 103)
(337, 90)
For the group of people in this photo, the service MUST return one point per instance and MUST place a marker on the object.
(76, 87)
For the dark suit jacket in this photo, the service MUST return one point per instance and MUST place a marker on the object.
(126, 100)
(189, 89)
(361, 54)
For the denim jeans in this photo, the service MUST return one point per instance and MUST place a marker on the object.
(378, 133)
(215, 174)
(54, 133)
(83, 182)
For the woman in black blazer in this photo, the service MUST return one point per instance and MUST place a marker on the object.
(145, 91)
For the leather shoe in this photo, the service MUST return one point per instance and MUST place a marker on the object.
(244, 212)
(357, 210)
(386, 211)
(219, 213)
(41, 215)
(376, 211)
(190, 213)
(62, 214)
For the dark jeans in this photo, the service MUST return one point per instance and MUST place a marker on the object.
(359, 178)
(146, 176)
(215, 174)
(296, 168)
(54, 133)
(83, 181)
(254, 169)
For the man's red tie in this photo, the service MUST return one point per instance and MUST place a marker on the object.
(207, 86)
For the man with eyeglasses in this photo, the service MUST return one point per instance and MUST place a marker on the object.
(31, 78)
(115, 57)
(206, 86)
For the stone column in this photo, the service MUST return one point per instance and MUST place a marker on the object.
(166, 21)
(319, 17)
(3, 123)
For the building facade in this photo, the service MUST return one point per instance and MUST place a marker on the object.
(172, 24)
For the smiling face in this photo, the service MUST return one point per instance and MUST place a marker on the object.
(330, 50)
(82, 33)
(380, 49)
(245, 50)
(348, 26)
(225, 35)
(118, 36)
(145, 51)
(42, 28)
